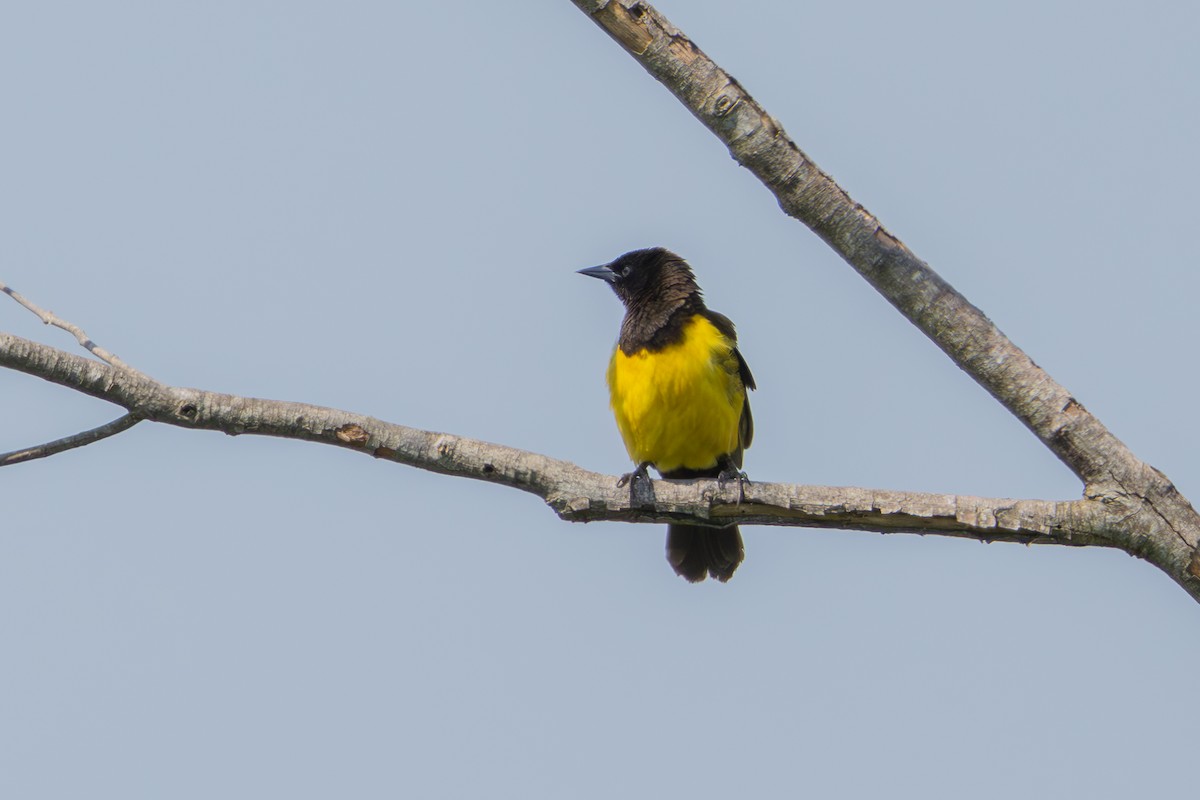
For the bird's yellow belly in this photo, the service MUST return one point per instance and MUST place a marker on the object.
(679, 407)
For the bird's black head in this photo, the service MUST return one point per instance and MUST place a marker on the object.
(654, 275)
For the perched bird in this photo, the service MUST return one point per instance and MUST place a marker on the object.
(677, 385)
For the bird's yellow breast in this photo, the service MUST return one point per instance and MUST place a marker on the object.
(679, 406)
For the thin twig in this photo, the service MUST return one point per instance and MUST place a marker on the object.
(84, 340)
(70, 442)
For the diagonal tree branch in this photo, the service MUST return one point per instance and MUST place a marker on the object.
(804, 191)
(1161, 525)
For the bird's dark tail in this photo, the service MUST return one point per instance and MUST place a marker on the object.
(695, 552)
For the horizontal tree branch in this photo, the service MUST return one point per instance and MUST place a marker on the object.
(574, 493)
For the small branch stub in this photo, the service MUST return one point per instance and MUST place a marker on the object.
(626, 26)
(352, 434)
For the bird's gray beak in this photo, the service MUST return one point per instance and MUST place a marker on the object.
(603, 272)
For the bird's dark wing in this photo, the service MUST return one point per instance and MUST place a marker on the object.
(725, 326)
(746, 425)
(744, 370)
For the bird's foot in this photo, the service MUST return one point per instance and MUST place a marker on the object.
(730, 472)
(631, 478)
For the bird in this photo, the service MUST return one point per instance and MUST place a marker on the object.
(677, 386)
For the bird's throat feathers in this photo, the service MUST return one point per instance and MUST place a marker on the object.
(655, 315)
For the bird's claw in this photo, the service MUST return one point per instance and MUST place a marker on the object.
(730, 472)
(631, 478)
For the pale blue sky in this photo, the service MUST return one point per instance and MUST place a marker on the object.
(380, 207)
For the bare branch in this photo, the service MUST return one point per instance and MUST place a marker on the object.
(84, 340)
(579, 495)
(119, 424)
